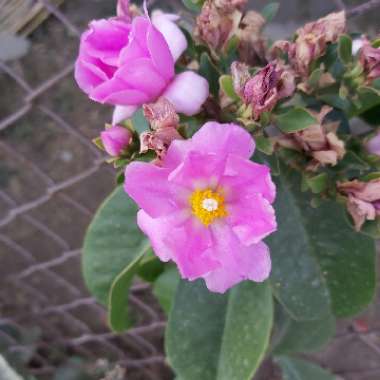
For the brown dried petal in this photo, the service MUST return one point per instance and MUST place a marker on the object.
(161, 114)
(360, 211)
(366, 191)
(240, 76)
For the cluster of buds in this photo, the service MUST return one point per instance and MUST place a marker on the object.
(311, 42)
(319, 141)
(220, 20)
(363, 200)
(266, 88)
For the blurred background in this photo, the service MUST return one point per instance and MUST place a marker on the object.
(51, 181)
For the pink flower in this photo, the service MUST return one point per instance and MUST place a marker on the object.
(115, 140)
(130, 64)
(208, 207)
(373, 145)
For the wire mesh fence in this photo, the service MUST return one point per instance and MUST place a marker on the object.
(51, 180)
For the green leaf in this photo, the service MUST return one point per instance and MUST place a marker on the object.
(209, 71)
(368, 98)
(226, 84)
(317, 256)
(151, 267)
(297, 369)
(112, 242)
(270, 11)
(317, 183)
(264, 145)
(219, 337)
(118, 296)
(139, 123)
(165, 288)
(345, 49)
(296, 119)
(301, 337)
(193, 5)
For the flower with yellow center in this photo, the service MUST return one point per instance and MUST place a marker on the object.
(207, 205)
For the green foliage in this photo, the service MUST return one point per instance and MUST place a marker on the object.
(226, 84)
(219, 337)
(118, 296)
(165, 288)
(297, 369)
(326, 261)
(112, 242)
(193, 5)
(295, 119)
(301, 336)
(208, 70)
(345, 49)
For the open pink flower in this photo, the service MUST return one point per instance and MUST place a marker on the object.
(208, 207)
(129, 64)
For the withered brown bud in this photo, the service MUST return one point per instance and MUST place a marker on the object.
(164, 122)
(271, 84)
(252, 44)
(370, 60)
(319, 141)
(230, 5)
(363, 200)
(311, 41)
(213, 27)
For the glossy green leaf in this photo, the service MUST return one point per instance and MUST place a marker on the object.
(368, 98)
(345, 49)
(264, 145)
(301, 337)
(151, 267)
(219, 337)
(112, 242)
(297, 369)
(118, 297)
(165, 287)
(317, 256)
(270, 11)
(317, 183)
(209, 71)
(296, 119)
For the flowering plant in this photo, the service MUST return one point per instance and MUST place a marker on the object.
(248, 196)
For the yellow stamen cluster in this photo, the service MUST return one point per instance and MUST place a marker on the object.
(207, 205)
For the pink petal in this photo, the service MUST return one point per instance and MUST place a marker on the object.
(141, 75)
(176, 237)
(160, 53)
(223, 139)
(176, 153)
(105, 39)
(122, 113)
(173, 35)
(198, 171)
(115, 91)
(243, 178)
(148, 186)
(187, 93)
(239, 262)
(159, 231)
(252, 218)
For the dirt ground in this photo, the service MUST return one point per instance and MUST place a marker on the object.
(51, 183)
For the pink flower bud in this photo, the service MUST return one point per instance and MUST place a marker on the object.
(373, 145)
(115, 140)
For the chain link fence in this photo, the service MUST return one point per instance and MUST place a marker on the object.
(51, 181)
